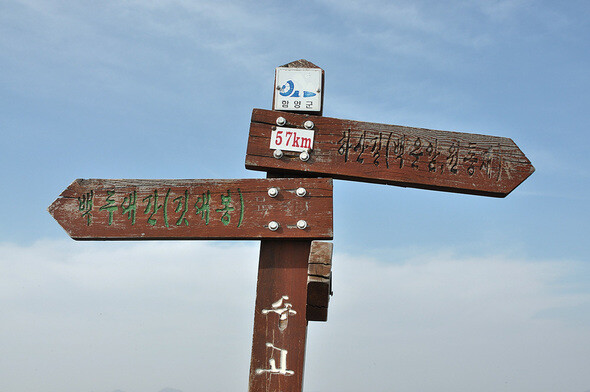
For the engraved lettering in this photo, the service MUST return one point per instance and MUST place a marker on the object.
(471, 159)
(282, 369)
(344, 144)
(387, 150)
(360, 146)
(110, 207)
(399, 147)
(376, 149)
(85, 204)
(283, 309)
(129, 206)
(153, 207)
(416, 152)
(486, 162)
(226, 209)
(182, 206)
(203, 209)
(453, 158)
(433, 154)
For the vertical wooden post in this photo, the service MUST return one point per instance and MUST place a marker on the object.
(280, 325)
(280, 322)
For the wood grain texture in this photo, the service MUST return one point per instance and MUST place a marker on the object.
(394, 155)
(278, 346)
(319, 280)
(98, 209)
(301, 63)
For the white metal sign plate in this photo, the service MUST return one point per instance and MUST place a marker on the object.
(291, 139)
(298, 89)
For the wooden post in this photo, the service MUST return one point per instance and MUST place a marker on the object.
(280, 325)
(280, 322)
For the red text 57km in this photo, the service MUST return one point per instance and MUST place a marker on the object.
(291, 139)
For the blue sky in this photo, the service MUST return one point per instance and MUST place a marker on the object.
(142, 89)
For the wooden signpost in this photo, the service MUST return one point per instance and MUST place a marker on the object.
(196, 209)
(288, 214)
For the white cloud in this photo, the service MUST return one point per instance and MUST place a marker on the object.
(449, 323)
(142, 316)
(133, 316)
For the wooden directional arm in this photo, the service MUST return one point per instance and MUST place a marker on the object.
(294, 208)
(392, 154)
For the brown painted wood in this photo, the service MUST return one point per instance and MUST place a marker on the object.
(393, 154)
(319, 280)
(98, 209)
(280, 325)
(280, 322)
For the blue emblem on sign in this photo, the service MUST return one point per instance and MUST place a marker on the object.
(288, 90)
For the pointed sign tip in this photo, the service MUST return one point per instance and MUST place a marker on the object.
(301, 63)
(52, 207)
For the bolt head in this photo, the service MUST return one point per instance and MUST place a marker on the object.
(301, 192)
(304, 156)
(273, 226)
(277, 153)
(273, 192)
(281, 121)
(301, 224)
(308, 124)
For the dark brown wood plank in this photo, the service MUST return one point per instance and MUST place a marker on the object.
(98, 209)
(393, 154)
(319, 280)
(280, 325)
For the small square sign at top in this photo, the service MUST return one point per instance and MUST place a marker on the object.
(298, 89)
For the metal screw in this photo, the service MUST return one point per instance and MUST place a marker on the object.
(308, 124)
(277, 153)
(273, 192)
(300, 192)
(281, 121)
(304, 156)
(273, 226)
(301, 224)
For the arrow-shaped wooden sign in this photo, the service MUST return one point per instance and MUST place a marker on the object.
(388, 154)
(294, 208)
